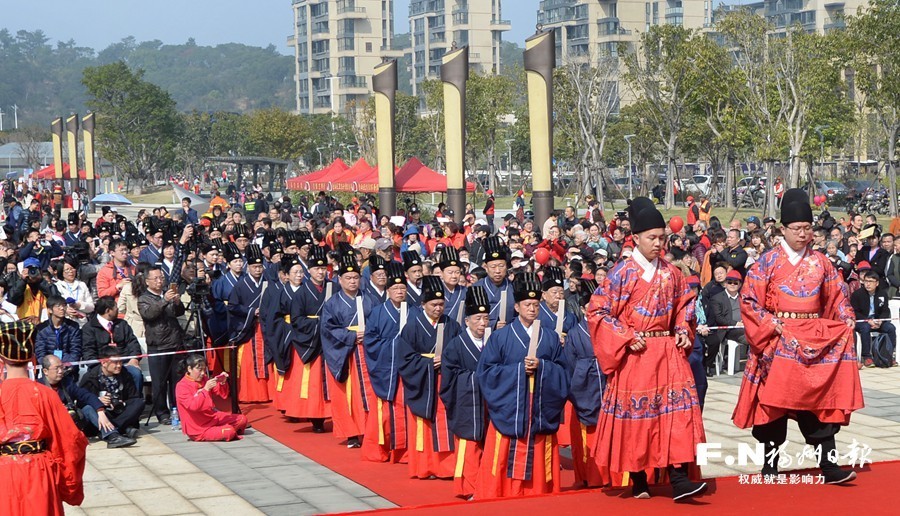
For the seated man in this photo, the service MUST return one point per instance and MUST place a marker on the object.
(871, 303)
(76, 398)
(104, 328)
(725, 310)
(116, 390)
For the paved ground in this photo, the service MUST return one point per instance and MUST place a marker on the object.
(166, 474)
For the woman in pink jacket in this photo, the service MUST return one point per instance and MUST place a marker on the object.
(200, 420)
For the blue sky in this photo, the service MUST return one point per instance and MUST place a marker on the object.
(98, 23)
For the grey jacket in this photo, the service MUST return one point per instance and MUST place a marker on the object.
(161, 327)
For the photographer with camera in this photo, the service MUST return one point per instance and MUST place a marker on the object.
(122, 402)
(117, 273)
(160, 308)
(29, 291)
(42, 247)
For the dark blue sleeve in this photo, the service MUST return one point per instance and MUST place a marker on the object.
(84, 397)
(585, 388)
(551, 385)
(74, 348)
(417, 372)
(43, 344)
(337, 341)
(503, 386)
(461, 394)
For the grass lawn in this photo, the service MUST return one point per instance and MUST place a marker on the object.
(161, 198)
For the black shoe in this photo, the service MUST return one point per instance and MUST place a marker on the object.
(318, 426)
(353, 442)
(640, 489)
(830, 470)
(710, 372)
(118, 440)
(165, 420)
(132, 433)
(682, 487)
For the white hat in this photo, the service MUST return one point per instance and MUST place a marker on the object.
(517, 254)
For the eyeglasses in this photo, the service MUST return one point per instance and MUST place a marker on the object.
(799, 230)
(732, 282)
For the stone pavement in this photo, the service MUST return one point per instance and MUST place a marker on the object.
(166, 474)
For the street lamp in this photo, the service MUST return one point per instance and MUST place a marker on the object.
(319, 150)
(628, 138)
(818, 129)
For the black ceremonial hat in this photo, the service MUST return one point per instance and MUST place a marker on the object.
(411, 259)
(318, 256)
(395, 273)
(232, 253)
(215, 245)
(477, 301)
(288, 263)
(242, 230)
(347, 264)
(303, 238)
(17, 342)
(290, 238)
(795, 207)
(526, 286)
(449, 257)
(588, 287)
(345, 249)
(432, 288)
(494, 249)
(553, 277)
(254, 255)
(377, 263)
(275, 248)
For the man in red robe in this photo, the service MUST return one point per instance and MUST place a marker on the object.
(41, 449)
(802, 362)
(639, 323)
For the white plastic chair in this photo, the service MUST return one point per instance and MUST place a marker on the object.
(733, 358)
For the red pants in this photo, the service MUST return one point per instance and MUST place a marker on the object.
(468, 460)
(252, 389)
(302, 393)
(424, 460)
(231, 427)
(348, 413)
(493, 481)
(386, 423)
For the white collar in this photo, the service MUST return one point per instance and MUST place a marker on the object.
(103, 322)
(648, 266)
(378, 290)
(479, 343)
(293, 288)
(734, 296)
(793, 256)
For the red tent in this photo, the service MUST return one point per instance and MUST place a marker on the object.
(414, 177)
(344, 182)
(50, 173)
(305, 182)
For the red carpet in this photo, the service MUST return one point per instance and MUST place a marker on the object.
(870, 494)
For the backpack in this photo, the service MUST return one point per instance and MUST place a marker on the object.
(882, 350)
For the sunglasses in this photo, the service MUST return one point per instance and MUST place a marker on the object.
(733, 282)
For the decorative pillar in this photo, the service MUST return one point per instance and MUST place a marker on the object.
(540, 59)
(72, 132)
(384, 84)
(454, 74)
(87, 125)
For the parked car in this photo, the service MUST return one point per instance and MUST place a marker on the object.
(857, 187)
(750, 192)
(835, 191)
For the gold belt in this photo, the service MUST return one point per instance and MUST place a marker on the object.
(22, 448)
(647, 334)
(796, 315)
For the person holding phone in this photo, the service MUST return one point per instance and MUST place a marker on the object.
(200, 420)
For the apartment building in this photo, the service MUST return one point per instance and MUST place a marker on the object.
(813, 15)
(435, 25)
(337, 44)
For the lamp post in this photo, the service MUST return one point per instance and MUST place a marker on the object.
(509, 157)
(628, 138)
(15, 109)
(319, 150)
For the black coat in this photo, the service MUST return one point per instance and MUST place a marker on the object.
(860, 302)
(878, 262)
(161, 326)
(127, 390)
(721, 314)
(94, 337)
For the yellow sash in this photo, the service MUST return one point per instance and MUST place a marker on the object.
(460, 458)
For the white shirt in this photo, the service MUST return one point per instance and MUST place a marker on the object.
(479, 343)
(648, 266)
(793, 256)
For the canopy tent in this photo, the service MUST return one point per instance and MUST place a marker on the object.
(414, 177)
(50, 173)
(344, 182)
(305, 182)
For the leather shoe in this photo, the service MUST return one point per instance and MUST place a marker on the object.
(119, 441)
(132, 433)
(165, 420)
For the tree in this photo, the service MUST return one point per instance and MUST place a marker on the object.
(876, 52)
(663, 72)
(137, 124)
(433, 120)
(30, 139)
(195, 143)
(592, 85)
(488, 99)
(276, 133)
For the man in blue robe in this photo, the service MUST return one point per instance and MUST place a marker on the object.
(454, 294)
(551, 299)
(461, 394)
(496, 263)
(385, 437)
(218, 324)
(246, 333)
(419, 348)
(524, 384)
(412, 264)
(342, 345)
(373, 288)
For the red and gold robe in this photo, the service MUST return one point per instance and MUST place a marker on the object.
(812, 365)
(650, 414)
(38, 484)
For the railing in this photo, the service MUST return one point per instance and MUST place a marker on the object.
(351, 10)
(674, 11)
(353, 82)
